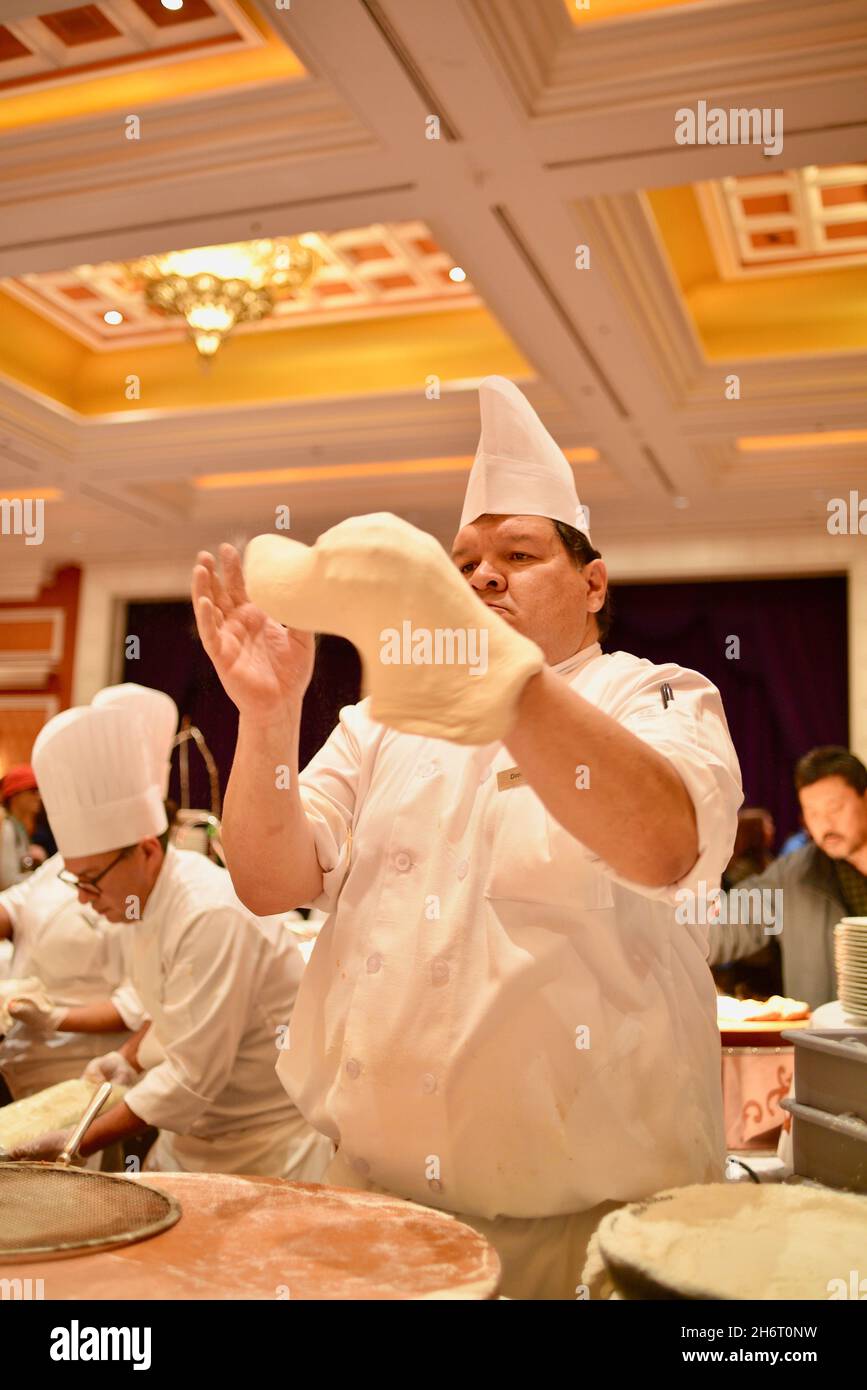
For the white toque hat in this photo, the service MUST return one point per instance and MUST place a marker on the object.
(156, 716)
(518, 468)
(96, 778)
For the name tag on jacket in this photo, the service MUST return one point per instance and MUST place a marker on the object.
(508, 778)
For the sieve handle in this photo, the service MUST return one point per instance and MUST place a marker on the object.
(94, 1105)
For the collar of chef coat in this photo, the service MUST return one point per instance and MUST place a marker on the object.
(572, 663)
(159, 893)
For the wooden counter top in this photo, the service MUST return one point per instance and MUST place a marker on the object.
(265, 1238)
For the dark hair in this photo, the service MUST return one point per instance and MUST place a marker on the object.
(831, 761)
(162, 839)
(582, 553)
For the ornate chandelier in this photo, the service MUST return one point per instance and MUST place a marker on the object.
(216, 287)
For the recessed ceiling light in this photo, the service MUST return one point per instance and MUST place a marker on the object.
(172, 4)
(457, 274)
(113, 316)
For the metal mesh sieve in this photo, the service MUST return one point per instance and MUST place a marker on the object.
(46, 1210)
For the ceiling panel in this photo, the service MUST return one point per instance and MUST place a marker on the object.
(106, 37)
(559, 132)
(366, 272)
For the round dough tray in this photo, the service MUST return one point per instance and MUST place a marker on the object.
(243, 1237)
(734, 1241)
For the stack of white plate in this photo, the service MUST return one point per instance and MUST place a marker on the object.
(850, 949)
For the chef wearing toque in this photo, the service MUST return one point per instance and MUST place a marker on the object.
(75, 1001)
(501, 1017)
(216, 983)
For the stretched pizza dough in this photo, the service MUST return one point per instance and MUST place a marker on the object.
(734, 1241)
(375, 573)
(57, 1107)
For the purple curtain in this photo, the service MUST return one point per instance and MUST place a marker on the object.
(173, 659)
(787, 692)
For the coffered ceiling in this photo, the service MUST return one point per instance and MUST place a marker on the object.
(364, 273)
(554, 130)
(37, 50)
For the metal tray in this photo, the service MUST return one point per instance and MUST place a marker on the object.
(830, 1149)
(830, 1074)
(47, 1211)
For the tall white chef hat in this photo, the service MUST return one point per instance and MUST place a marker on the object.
(156, 715)
(518, 468)
(97, 781)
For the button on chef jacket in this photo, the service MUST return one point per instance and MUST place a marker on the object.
(218, 984)
(78, 958)
(492, 1020)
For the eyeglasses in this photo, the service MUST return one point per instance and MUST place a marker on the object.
(88, 885)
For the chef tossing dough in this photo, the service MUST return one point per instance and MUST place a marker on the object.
(503, 1016)
(369, 576)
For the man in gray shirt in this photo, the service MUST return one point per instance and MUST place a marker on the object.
(814, 887)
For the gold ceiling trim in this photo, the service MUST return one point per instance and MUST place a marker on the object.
(807, 313)
(64, 100)
(335, 472)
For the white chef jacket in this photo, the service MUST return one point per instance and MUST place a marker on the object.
(436, 1033)
(218, 985)
(78, 957)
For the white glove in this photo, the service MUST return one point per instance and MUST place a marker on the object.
(15, 989)
(43, 1149)
(112, 1067)
(37, 1011)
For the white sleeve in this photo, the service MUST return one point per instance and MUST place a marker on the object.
(129, 1006)
(17, 898)
(329, 789)
(123, 995)
(13, 899)
(210, 985)
(692, 734)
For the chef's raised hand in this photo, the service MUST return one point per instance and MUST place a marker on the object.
(113, 1067)
(262, 665)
